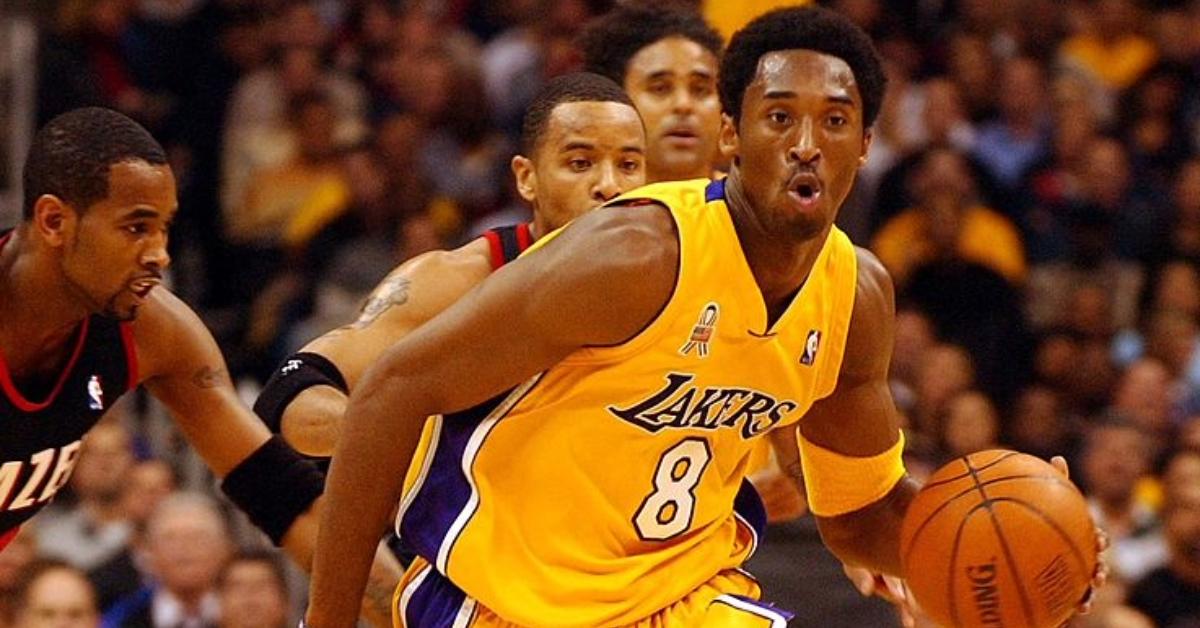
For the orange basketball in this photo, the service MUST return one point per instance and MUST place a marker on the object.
(998, 538)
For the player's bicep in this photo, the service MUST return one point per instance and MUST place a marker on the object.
(598, 283)
(188, 375)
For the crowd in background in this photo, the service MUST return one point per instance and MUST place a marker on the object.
(1033, 187)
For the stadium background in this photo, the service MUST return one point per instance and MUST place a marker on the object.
(1034, 187)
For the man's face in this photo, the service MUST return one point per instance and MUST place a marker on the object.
(59, 599)
(1114, 461)
(673, 82)
(114, 254)
(251, 597)
(589, 153)
(799, 142)
(187, 548)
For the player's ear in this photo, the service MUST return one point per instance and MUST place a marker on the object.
(868, 135)
(53, 219)
(522, 168)
(727, 140)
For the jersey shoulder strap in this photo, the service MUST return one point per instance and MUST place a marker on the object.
(507, 243)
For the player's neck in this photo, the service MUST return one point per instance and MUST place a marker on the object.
(780, 265)
(658, 175)
(38, 311)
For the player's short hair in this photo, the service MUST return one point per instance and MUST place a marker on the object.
(575, 87)
(801, 28)
(71, 156)
(609, 41)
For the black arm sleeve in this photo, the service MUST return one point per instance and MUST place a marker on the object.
(299, 371)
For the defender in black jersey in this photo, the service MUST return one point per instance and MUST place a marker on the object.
(583, 144)
(83, 320)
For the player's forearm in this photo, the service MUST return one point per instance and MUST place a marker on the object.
(385, 573)
(379, 436)
(870, 537)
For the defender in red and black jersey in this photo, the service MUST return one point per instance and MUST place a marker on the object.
(83, 320)
(44, 426)
(583, 144)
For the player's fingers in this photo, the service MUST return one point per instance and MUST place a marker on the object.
(1102, 540)
(1101, 575)
(1060, 463)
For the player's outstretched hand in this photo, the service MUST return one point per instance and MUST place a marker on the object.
(1101, 574)
(889, 588)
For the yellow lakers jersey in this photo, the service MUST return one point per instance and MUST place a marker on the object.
(603, 490)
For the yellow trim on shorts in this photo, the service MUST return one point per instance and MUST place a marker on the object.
(838, 484)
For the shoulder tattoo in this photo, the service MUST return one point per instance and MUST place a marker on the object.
(392, 292)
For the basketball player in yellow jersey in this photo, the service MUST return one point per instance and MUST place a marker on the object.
(595, 402)
(582, 145)
(666, 58)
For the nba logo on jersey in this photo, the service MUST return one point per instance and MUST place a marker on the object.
(702, 332)
(95, 393)
(811, 344)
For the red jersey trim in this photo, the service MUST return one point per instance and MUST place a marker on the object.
(131, 358)
(15, 396)
(7, 537)
(524, 237)
(497, 248)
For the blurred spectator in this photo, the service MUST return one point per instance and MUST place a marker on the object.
(52, 594)
(1091, 262)
(15, 561)
(914, 338)
(1115, 456)
(253, 590)
(1055, 183)
(1127, 201)
(96, 528)
(260, 128)
(1151, 119)
(186, 544)
(945, 372)
(1143, 396)
(948, 222)
(1010, 144)
(1106, 49)
(537, 47)
(1185, 230)
(1039, 424)
(971, 424)
(148, 483)
(1171, 594)
(973, 68)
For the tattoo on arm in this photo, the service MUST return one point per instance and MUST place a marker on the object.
(209, 377)
(393, 291)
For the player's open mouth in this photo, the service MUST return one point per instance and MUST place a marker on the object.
(141, 288)
(805, 188)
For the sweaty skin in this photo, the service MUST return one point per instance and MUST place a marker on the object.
(62, 265)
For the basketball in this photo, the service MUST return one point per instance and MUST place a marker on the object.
(998, 538)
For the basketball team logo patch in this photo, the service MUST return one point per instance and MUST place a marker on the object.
(702, 332)
(95, 393)
(811, 345)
